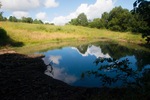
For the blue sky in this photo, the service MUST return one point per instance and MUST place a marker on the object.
(60, 11)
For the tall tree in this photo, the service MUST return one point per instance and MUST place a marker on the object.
(74, 21)
(1, 16)
(104, 19)
(142, 9)
(36, 21)
(1, 13)
(82, 19)
(119, 19)
(27, 19)
(13, 19)
(97, 23)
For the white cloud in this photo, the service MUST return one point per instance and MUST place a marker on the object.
(51, 3)
(41, 15)
(20, 5)
(92, 11)
(61, 20)
(57, 73)
(20, 14)
(26, 5)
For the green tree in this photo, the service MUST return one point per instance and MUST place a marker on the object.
(1, 13)
(4, 19)
(119, 19)
(27, 19)
(82, 19)
(97, 23)
(13, 19)
(1, 16)
(74, 21)
(104, 19)
(142, 9)
(136, 24)
(36, 21)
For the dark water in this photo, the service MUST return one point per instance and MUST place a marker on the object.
(97, 65)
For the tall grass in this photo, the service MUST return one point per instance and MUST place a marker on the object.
(31, 34)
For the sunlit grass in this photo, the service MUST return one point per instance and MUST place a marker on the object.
(31, 34)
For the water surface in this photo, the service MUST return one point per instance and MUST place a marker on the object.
(117, 65)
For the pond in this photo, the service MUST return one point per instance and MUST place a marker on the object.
(97, 64)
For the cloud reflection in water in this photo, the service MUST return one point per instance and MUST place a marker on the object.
(61, 74)
(93, 50)
(54, 59)
(58, 73)
(68, 63)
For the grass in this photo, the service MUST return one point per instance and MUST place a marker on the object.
(37, 34)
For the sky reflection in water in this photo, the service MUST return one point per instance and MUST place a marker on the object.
(70, 62)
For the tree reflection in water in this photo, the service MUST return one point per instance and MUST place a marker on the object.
(116, 71)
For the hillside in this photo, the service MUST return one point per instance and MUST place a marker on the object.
(39, 33)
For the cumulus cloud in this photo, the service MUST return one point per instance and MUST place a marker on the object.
(20, 5)
(92, 11)
(20, 14)
(51, 3)
(26, 5)
(41, 15)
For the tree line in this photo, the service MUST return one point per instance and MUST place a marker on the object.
(119, 19)
(23, 19)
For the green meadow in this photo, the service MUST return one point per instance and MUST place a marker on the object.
(40, 36)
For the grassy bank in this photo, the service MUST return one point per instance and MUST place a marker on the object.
(36, 36)
(35, 33)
